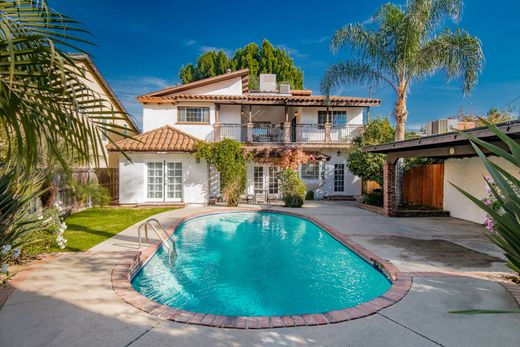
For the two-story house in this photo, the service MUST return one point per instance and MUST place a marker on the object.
(163, 169)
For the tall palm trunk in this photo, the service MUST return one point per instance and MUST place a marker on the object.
(400, 112)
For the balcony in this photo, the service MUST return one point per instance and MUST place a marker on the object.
(266, 132)
(298, 133)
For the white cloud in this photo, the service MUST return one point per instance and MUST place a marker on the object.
(229, 52)
(293, 52)
(315, 41)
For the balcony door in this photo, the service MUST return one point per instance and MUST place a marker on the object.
(164, 181)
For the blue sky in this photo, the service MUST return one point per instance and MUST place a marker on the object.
(140, 46)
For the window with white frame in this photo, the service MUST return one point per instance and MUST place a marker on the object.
(193, 115)
(337, 118)
(310, 171)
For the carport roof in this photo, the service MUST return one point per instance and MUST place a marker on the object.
(443, 145)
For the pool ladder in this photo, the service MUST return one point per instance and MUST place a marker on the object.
(172, 250)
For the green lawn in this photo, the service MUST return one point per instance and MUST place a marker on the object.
(87, 228)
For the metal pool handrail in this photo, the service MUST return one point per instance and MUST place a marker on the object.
(170, 249)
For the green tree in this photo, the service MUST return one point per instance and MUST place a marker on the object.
(369, 166)
(407, 45)
(493, 116)
(266, 59)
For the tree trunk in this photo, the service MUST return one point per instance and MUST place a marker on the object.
(400, 113)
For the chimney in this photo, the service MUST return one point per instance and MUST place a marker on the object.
(268, 82)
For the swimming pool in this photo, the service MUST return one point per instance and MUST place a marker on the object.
(258, 264)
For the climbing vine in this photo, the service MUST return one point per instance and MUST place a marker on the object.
(230, 160)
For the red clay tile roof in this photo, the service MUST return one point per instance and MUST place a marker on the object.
(305, 92)
(164, 139)
(262, 99)
(244, 74)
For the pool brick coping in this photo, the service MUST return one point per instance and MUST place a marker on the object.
(124, 271)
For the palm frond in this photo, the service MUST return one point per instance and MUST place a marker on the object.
(44, 96)
(352, 72)
(457, 53)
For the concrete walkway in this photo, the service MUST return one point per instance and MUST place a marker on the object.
(69, 301)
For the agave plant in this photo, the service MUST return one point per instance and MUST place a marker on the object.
(505, 189)
(18, 217)
(44, 100)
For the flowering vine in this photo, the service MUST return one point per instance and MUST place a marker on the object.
(491, 201)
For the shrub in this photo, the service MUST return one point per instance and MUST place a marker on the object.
(231, 193)
(373, 198)
(309, 195)
(292, 188)
(99, 196)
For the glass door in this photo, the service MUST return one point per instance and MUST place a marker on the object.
(339, 177)
(273, 181)
(155, 183)
(173, 181)
(258, 180)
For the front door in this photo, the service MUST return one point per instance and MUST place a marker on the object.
(164, 181)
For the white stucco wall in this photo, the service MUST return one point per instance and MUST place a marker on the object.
(156, 116)
(467, 173)
(231, 86)
(352, 183)
(132, 177)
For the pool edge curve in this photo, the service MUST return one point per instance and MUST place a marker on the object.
(133, 261)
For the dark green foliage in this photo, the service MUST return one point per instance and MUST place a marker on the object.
(292, 188)
(369, 166)
(293, 201)
(229, 159)
(309, 195)
(373, 198)
(266, 59)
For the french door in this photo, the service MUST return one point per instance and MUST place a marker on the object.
(164, 181)
(339, 177)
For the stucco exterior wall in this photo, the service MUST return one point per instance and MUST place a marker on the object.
(156, 116)
(309, 115)
(132, 177)
(468, 174)
(232, 86)
(322, 187)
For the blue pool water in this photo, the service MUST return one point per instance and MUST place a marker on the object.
(258, 264)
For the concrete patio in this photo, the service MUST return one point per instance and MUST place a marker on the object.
(69, 301)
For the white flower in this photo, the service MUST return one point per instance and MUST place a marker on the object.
(6, 249)
(40, 217)
(16, 253)
(5, 268)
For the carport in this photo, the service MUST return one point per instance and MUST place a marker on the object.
(450, 145)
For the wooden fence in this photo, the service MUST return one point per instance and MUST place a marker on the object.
(369, 186)
(424, 185)
(109, 178)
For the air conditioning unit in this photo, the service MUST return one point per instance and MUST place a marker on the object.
(285, 88)
(267, 82)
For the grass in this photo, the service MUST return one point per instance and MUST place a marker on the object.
(89, 227)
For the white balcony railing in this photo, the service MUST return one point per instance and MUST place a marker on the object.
(345, 133)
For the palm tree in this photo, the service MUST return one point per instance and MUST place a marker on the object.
(406, 46)
(44, 101)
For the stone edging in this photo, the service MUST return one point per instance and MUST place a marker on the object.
(124, 271)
